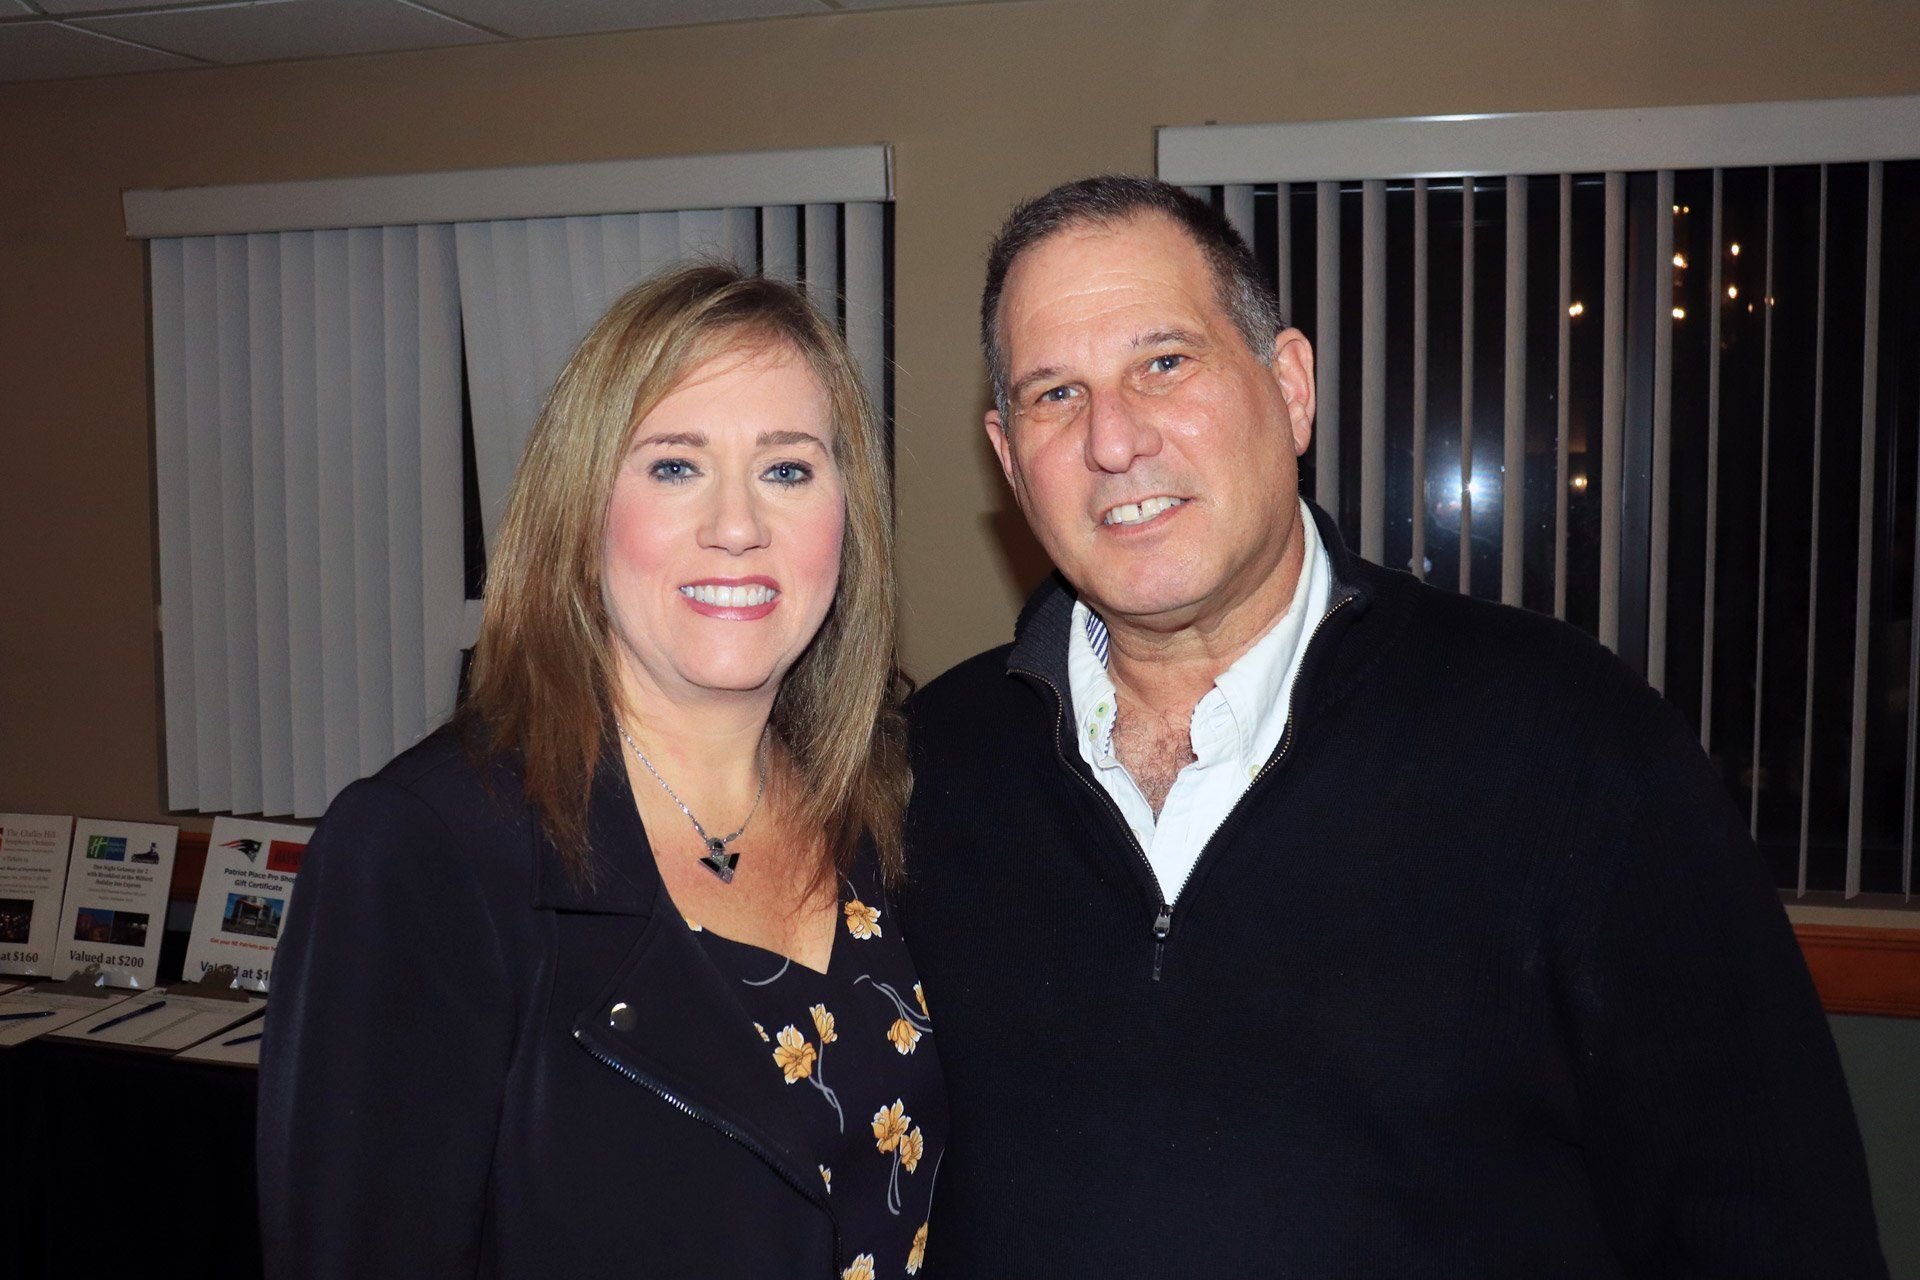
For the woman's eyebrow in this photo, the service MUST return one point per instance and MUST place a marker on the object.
(782, 438)
(685, 439)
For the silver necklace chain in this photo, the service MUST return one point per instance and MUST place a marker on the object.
(718, 858)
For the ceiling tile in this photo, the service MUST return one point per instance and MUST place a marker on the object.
(275, 29)
(576, 17)
(50, 51)
(65, 8)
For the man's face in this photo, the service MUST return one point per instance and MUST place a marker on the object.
(1154, 454)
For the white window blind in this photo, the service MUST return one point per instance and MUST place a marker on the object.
(1626, 367)
(530, 289)
(308, 389)
(307, 410)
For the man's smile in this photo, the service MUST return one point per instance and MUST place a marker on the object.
(1136, 513)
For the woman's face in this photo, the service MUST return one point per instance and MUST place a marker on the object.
(723, 535)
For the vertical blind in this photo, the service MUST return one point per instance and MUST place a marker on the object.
(1676, 406)
(307, 411)
(308, 394)
(530, 289)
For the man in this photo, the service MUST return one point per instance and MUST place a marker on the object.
(1281, 915)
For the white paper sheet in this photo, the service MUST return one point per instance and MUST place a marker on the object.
(115, 905)
(63, 1011)
(243, 898)
(33, 873)
(177, 1022)
(236, 1046)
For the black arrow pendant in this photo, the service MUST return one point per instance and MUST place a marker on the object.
(719, 860)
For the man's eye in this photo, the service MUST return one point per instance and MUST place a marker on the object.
(672, 470)
(1054, 395)
(789, 473)
(1165, 364)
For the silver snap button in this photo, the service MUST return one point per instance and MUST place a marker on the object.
(622, 1018)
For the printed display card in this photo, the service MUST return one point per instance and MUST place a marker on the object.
(34, 1012)
(235, 1047)
(243, 899)
(162, 1020)
(115, 906)
(33, 866)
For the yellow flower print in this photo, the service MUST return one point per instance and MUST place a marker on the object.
(794, 1055)
(799, 1060)
(921, 996)
(918, 1254)
(826, 1176)
(890, 1125)
(862, 1268)
(763, 1033)
(912, 1147)
(904, 1035)
(863, 921)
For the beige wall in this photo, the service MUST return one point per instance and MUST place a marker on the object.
(983, 104)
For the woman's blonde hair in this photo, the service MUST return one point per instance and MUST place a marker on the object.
(542, 685)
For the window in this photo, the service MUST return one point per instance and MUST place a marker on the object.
(344, 377)
(1649, 371)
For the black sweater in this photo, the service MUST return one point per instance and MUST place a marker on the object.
(1482, 978)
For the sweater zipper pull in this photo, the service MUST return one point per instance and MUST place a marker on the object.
(1162, 926)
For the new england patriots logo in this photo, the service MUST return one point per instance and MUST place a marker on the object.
(249, 847)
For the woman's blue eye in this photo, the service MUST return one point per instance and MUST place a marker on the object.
(672, 470)
(789, 473)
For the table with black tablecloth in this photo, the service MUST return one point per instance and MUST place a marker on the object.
(117, 1162)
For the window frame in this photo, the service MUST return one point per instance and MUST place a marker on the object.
(1864, 960)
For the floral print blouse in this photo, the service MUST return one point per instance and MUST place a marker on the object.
(855, 1044)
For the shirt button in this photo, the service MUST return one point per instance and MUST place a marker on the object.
(622, 1017)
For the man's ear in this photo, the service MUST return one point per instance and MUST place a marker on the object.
(1292, 369)
(1002, 448)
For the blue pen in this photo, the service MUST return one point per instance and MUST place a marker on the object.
(225, 1044)
(114, 1022)
(37, 1013)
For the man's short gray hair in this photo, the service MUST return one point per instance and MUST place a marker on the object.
(1113, 198)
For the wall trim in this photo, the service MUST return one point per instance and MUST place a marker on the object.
(820, 175)
(1859, 970)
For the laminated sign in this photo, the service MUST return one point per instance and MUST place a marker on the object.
(33, 864)
(243, 899)
(115, 906)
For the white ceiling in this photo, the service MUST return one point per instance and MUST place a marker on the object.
(62, 39)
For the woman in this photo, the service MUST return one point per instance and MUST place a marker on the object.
(602, 980)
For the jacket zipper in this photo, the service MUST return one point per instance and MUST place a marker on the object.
(1163, 916)
(731, 1131)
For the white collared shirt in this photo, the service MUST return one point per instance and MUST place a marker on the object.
(1236, 726)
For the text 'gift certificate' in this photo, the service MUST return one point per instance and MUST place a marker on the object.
(33, 867)
(116, 900)
(243, 899)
